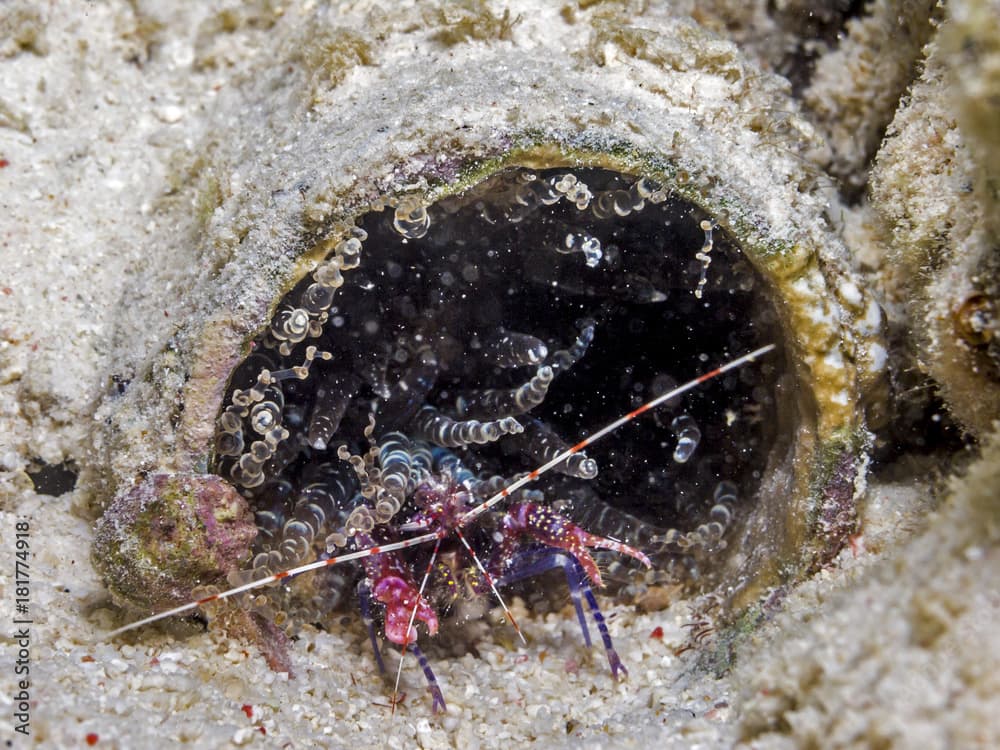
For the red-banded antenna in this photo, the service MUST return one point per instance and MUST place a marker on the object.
(679, 390)
(267, 581)
(463, 520)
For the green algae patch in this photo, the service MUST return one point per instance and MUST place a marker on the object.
(168, 534)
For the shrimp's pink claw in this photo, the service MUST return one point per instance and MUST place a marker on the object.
(399, 596)
(398, 593)
(391, 583)
(553, 530)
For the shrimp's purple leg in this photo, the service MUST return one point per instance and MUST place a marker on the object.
(365, 603)
(618, 670)
(527, 564)
(531, 563)
(432, 684)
